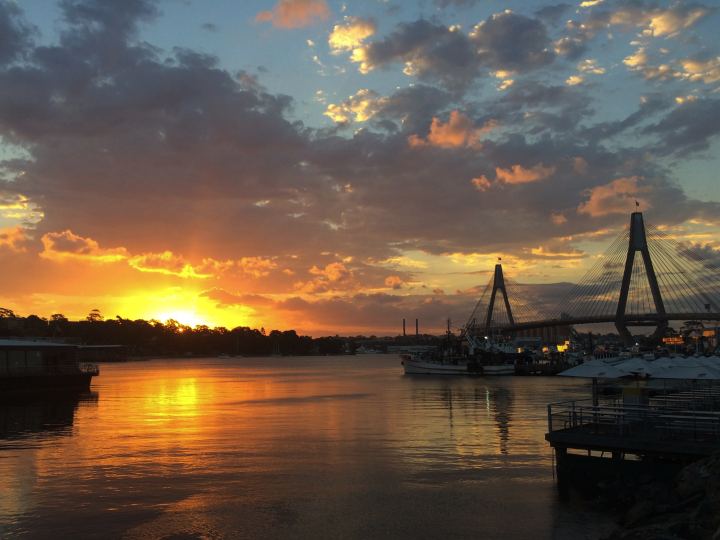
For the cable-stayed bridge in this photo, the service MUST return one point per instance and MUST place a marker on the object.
(644, 278)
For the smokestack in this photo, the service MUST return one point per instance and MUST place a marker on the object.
(417, 328)
(404, 328)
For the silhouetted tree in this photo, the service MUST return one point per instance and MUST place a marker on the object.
(94, 316)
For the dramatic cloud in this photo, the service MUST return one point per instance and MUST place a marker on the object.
(295, 13)
(505, 41)
(129, 173)
(512, 42)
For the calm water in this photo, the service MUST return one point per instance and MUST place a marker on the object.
(332, 447)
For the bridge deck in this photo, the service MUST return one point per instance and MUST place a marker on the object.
(639, 318)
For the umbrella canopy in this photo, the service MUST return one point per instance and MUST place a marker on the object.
(638, 366)
(594, 369)
(688, 371)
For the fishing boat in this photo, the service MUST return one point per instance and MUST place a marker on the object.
(486, 359)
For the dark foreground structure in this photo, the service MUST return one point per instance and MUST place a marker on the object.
(39, 367)
(616, 437)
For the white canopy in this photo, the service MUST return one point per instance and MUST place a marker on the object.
(692, 368)
(594, 369)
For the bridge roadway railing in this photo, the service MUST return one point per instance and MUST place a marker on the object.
(615, 419)
(630, 318)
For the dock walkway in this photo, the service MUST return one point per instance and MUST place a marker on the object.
(679, 427)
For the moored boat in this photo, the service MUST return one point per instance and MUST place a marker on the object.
(39, 366)
(454, 366)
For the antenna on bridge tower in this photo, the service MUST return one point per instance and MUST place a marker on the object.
(498, 285)
(638, 242)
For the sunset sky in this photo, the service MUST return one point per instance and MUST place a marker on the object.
(334, 167)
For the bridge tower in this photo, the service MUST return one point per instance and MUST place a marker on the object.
(638, 243)
(498, 285)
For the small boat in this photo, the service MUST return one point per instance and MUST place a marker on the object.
(454, 366)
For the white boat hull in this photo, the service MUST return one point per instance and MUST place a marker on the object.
(415, 366)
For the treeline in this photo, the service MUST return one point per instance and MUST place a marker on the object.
(141, 337)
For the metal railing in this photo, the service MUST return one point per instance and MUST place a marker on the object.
(88, 367)
(647, 421)
(58, 368)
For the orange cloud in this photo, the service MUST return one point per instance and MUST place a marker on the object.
(166, 263)
(13, 238)
(617, 197)
(394, 282)
(335, 276)
(459, 131)
(66, 245)
(295, 13)
(517, 174)
(256, 267)
(558, 218)
(481, 182)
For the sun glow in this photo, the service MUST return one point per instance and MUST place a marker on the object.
(187, 307)
(184, 316)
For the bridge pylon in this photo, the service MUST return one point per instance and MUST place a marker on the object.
(638, 243)
(498, 285)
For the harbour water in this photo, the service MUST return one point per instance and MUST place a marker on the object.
(326, 447)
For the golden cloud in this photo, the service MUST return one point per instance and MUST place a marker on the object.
(19, 207)
(458, 132)
(669, 22)
(589, 65)
(548, 253)
(66, 245)
(256, 267)
(359, 107)
(295, 13)
(707, 71)
(351, 34)
(636, 60)
(334, 276)
(166, 263)
(574, 80)
(659, 22)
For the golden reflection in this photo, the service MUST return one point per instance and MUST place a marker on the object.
(177, 398)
